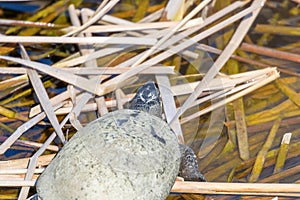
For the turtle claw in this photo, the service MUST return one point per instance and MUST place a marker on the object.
(189, 165)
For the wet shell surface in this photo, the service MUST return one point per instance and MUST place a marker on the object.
(126, 154)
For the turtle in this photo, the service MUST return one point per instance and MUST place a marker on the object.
(125, 154)
(147, 99)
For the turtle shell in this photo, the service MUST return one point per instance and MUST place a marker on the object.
(126, 154)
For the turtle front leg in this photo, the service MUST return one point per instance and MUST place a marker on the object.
(189, 165)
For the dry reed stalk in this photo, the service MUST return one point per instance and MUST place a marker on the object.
(241, 129)
(219, 83)
(16, 81)
(289, 92)
(88, 85)
(167, 70)
(284, 109)
(208, 21)
(63, 96)
(260, 159)
(282, 154)
(19, 171)
(43, 160)
(270, 52)
(17, 183)
(31, 143)
(9, 22)
(174, 10)
(173, 40)
(88, 107)
(102, 110)
(21, 129)
(171, 32)
(277, 29)
(169, 104)
(281, 175)
(210, 188)
(222, 59)
(56, 100)
(245, 167)
(141, 26)
(272, 75)
(97, 54)
(96, 70)
(121, 21)
(45, 15)
(210, 49)
(11, 114)
(15, 90)
(103, 8)
(85, 49)
(237, 188)
(78, 40)
(34, 160)
(109, 85)
(266, 126)
(42, 96)
(119, 96)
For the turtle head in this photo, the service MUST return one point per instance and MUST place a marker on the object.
(147, 99)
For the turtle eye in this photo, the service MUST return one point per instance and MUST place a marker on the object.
(147, 95)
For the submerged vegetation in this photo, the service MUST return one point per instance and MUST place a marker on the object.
(216, 63)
